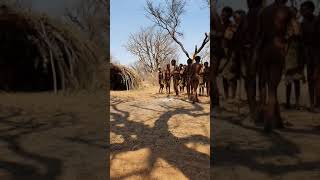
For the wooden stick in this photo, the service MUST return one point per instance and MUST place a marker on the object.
(54, 73)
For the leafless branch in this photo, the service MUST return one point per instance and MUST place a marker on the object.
(168, 16)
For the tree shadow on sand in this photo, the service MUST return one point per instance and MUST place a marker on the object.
(235, 154)
(160, 141)
(14, 127)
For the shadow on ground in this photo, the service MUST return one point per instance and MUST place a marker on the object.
(273, 155)
(14, 127)
(158, 139)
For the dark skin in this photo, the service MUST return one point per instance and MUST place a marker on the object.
(236, 49)
(175, 74)
(219, 28)
(188, 75)
(181, 77)
(206, 73)
(274, 22)
(245, 41)
(161, 78)
(317, 65)
(310, 50)
(195, 79)
(294, 37)
(167, 75)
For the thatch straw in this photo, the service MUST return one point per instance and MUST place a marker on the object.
(73, 59)
(129, 79)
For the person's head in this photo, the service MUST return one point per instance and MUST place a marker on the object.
(226, 13)
(197, 58)
(307, 9)
(294, 10)
(254, 4)
(189, 61)
(238, 16)
(159, 69)
(181, 65)
(281, 1)
(206, 64)
(173, 62)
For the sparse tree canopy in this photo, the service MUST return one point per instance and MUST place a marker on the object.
(152, 47)
(91, 17)
(168, 16)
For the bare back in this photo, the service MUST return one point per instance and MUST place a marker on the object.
(196, 69)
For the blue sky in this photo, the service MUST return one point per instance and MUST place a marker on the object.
(127, 16)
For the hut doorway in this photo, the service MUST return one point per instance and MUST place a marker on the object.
(21, 66)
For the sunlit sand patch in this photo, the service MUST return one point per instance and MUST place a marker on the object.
(146, 117)
(115, 138)
(120, 125)
(203, 148)
(134, 137)
(130, 162)
(185, 125)
(163, 170)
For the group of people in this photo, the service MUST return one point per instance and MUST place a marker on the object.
(192, 76)
(267, 43)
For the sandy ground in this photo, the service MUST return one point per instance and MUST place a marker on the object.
(155, 136)
(242, 151)
(49, 137)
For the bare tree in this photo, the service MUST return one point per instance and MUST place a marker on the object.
(153, 48)
(91, 17)
(168, 16)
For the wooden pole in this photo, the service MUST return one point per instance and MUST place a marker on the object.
(54, 73)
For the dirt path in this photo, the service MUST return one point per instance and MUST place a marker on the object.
(48, 137)
(158, 137)
(243, 151)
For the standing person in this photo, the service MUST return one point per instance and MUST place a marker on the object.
(247, 42)
(184, 84)
(236, 51)
(181, 82)
(220, 23)
(206, 73)
(273, 30)
(195, 78)
(175, 76)
(188, 74)
(293, 64)
(201, 83)
(317, 66)
(161, 79)
(167, 76)
(225, 68)
(309, 44)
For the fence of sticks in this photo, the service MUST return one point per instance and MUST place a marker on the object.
(123, 78)
(39, 52)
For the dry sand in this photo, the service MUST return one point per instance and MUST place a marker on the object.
(243, 152)
(158, 137)
(49, 137)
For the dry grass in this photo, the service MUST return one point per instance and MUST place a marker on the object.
(72, 57)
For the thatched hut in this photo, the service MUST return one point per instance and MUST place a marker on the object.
(123, 78)
(40, 53)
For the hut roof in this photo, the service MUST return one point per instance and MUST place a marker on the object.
(123, 78)
(74, 61)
